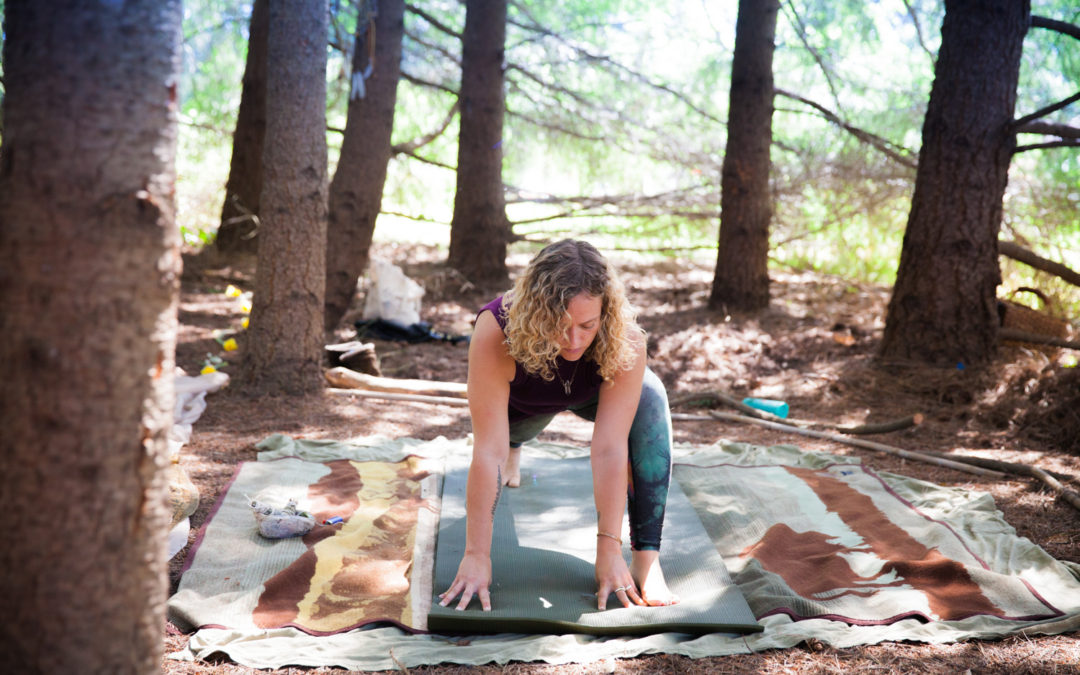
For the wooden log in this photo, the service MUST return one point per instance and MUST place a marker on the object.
(349, 379)
(861, 429)
(354, 355)
(1068, 495)
(392, 396)
(1035, 338)
(882, 427)
(859, 443)
(998, 465)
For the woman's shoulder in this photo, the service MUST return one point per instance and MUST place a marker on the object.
(496, 309)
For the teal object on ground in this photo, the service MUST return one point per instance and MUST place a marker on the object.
(769, 405)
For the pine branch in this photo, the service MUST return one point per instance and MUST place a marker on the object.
(592, 57)
(877, 142)
(1062, 27)
(1043, 112)
(1049, 129)
(410, 147)
(1043, 146)
(432, 20)
(426, 83)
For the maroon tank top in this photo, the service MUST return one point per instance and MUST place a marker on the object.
(531, 395)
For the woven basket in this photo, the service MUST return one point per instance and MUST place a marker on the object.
(1041, 322)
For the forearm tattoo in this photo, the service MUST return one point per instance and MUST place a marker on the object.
(498, 492)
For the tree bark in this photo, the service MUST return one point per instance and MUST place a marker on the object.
(89, 272)
(943, 309)
(285, 341)
(479, 231)
(357, 188)
(240, 212)
(741, 279)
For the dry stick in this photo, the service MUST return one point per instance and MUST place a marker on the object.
(344, 377)
(1068, 495)
(862, 429)
(1024, 336)
(390, 396)
(882, 427)
(857, 442)
(999, 465)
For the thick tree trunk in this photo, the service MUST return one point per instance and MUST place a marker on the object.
(239, 213)
(89, 271)
(356, 191)
(480, 230)
(943, 309)
(285, 341)
(741, 280)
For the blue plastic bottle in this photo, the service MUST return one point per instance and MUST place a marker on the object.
(769, 405)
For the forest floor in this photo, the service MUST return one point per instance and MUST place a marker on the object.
(814, 347)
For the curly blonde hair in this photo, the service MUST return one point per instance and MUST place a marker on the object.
(536, 310)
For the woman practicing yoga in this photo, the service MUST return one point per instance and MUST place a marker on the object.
(565, 338)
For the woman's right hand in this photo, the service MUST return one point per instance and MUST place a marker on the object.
(473, 577)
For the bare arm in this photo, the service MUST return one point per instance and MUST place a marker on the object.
(609, 458)
(490, 372)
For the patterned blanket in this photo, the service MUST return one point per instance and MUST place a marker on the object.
(820, 546)
(838, 543)
(338, 576)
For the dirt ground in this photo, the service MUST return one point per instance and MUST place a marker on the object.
(813, 348)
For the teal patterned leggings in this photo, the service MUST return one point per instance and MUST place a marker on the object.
(650, 458)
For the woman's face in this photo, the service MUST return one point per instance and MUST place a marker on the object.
(580, 325)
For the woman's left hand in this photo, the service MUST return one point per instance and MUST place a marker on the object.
(613, 576)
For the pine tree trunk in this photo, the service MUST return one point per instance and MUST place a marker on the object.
(943, 308)
(240, 211)
(356, 191)
(89, 271)
(741, 279)
(480, 230)
(285, 342)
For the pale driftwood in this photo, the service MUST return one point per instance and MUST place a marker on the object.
(392, 396)
(1024, 336)
(883, 427)
(1050, 478)
(350, 379)
(1016, 468)
(859, 443)
(1068, 495)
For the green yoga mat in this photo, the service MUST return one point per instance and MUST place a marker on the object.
(543, 549)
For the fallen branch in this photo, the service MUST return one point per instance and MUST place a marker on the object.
(882, 427)
(350, 379)
(1065, 493)
(861, 429)
(1024, 336)
(857, 442)
(999, 465)
(391, 396)
(1051, 479)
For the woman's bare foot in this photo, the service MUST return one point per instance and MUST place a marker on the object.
(512, 472)
(645, 568)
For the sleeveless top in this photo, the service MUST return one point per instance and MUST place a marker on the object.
(531, 395)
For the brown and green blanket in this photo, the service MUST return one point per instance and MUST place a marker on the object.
(820, 547)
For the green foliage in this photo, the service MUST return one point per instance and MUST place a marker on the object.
(616, 124)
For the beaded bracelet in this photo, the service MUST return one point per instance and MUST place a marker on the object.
(609, 536)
